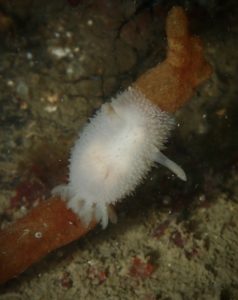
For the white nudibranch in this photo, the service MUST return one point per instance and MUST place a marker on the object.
(114, 153)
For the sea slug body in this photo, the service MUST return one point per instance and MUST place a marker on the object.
(114, 153)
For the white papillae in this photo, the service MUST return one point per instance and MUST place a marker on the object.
(114, 153)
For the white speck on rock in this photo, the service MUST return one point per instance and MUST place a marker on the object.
(22, 89)
(38, 235)
(10, 82)
(60, 52)
(57, 34)
(50, 108)
(69, 34)
(29, 55)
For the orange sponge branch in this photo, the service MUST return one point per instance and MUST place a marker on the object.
(45, 228)
(171, 83)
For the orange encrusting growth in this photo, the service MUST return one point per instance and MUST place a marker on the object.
(51, 225)
(46, 227)
(171, 83)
